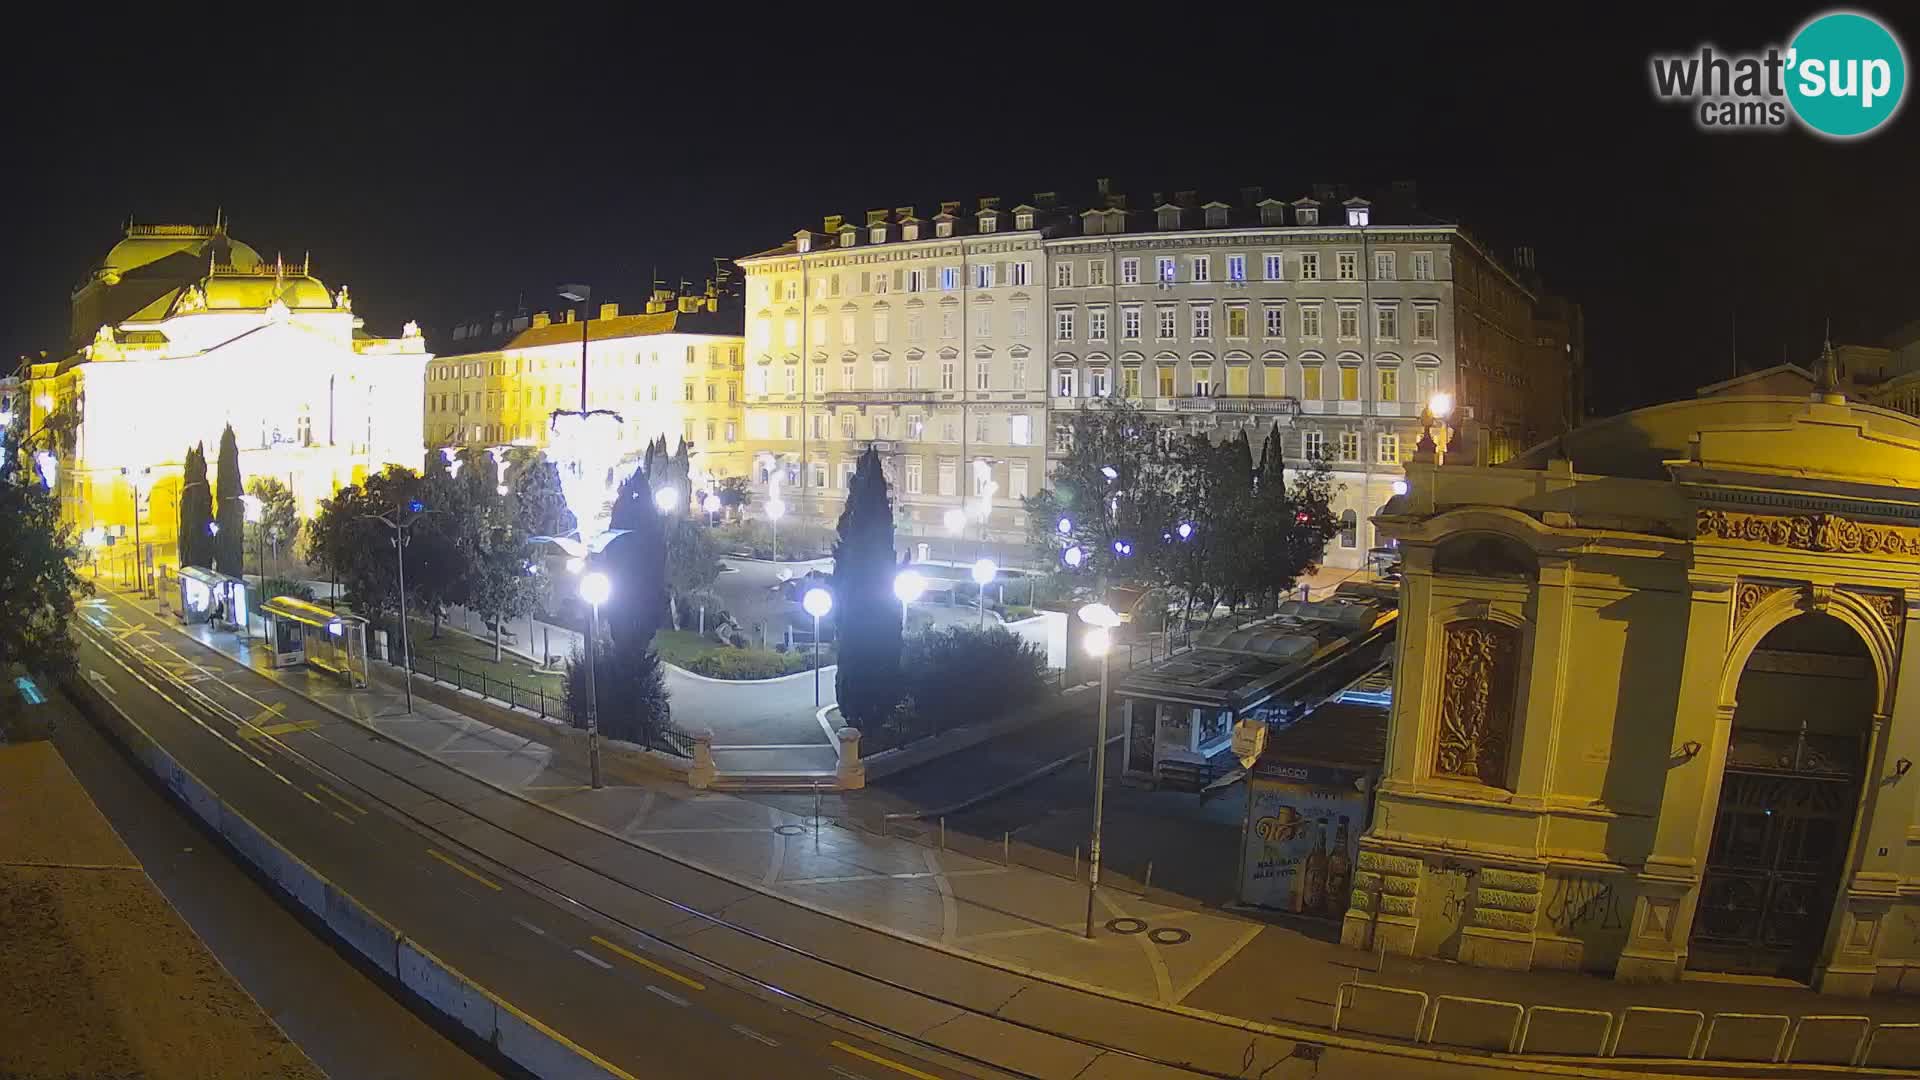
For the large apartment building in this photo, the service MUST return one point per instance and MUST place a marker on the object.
(972, 338)
(673, 369)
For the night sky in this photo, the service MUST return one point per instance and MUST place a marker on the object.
(447, 169)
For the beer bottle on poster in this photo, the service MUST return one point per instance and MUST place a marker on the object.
(1340, 871)
(1315, 884)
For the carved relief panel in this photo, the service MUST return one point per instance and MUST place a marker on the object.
(1481, 659)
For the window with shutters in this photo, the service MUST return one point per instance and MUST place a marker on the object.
(1273, 380)
(1097, 382)
(1237, 380)
(949, 278)
(1064, 380)
(1019, 273)
(1310, 387)
(1347, 266)
(983, 275)
(1237, 321)
(1129, 271)
(916, 280)
(880, 284)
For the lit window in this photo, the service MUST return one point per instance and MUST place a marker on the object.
(1389, 448)
(1349, 446)
(1359, 216)
(1129, 381)
(1064, 380)
(1310, 387)
(1272, 267)
(1350, 384)
(949, 278)
(1389, 384)
(1236, 268)
(1167, 269)
(1236, 320)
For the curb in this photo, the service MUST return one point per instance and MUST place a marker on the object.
(509, 1030)
(998, 790)
(824, 669)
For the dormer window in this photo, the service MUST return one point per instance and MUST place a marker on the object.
(1093, 223)
(1216, 217)
(1023, 221)
(849, 237)
(1308, 215)
(943, 228)
(803, 243)
(1169, 217)
(989, 223)
(878, 234)
(1359, 216)
(910, 231)
(1272, 213)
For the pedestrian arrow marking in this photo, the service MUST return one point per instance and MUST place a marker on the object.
(100, 681)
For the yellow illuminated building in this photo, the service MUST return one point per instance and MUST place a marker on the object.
(672, 370)
(182, 330)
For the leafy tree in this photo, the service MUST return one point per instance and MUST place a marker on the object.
(958, 672)
(230, 514)
(196, 511)
(279, 515)
(693, 562)
(503, 585)
(1134, 507)
(538, 504)
(736, 495)
(442, 545)
(865, 607)
(37, 580)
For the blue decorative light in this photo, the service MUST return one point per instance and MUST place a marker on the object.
(1185, 530)
(1073, 557)
(416, 506)
(1065, 526)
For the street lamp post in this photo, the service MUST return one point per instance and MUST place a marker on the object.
(1099, 643)
(594, 589)
(907, 585)
(775, 510)
(666, 500)
(141, 479)
(955, 520)
(983, 572)
(580, 294)
(818, 602)
(400, 540)
(712, 506)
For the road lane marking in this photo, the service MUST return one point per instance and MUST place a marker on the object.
(754, 1035)
(341, 816)
(314, 799)
(592, 959)
(464, 870)
(100, 681)
(878, 1060)
(670, 996)
(844, 1074)
(350, 804)
(525, 925)
(646, 963)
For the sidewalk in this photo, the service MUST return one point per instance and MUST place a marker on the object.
(101, 976)
(1011, 917)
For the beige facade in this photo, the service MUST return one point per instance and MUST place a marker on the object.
(1647, 712)
(673, 370)
(920, 337)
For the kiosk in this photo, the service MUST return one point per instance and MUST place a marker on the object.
(298, 632)
(219, 600)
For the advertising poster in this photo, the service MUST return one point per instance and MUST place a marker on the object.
(1302, 834)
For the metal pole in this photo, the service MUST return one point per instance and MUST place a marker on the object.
(406, 652)
(816, 662)
(593, 697)
(584, 301)
(981, 603)
(139, 569)
(1099, 792)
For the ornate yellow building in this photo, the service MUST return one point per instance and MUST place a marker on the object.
(674, 369)
(182, 330)
(1649, 714)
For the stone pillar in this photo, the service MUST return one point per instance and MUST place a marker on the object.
(1545, 683)
(700, 776)
(851, 775)
(1381, 915)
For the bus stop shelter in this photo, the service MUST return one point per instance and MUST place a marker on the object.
(220, 600)
(298, 632)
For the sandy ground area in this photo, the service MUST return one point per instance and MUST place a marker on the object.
(99, 977)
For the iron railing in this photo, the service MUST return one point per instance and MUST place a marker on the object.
(534, 697)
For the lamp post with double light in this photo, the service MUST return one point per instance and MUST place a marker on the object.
(1099, 643)
(817, 603)
(595, 588)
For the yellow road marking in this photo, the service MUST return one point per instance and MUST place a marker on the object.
(646, 963)
(350, 804)
(341, 816)
(314, 801)
(463, 870)
(291, 726)
(878, 1060)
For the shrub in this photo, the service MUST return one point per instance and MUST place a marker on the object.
(280, 586)
(961, 673)
(631, 695)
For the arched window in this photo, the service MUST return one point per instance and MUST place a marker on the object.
(1349, 529)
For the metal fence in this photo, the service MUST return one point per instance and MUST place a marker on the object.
(534, 697)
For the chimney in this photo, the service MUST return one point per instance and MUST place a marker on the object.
(1188, 199)
(877, 217)
(952, 207)
(1250, 196)
(989, 202)
(1045, 200)
(903, 213)
(540, 319)
(609, 311)
(832, 223)
(569, 317)
(1103, 186)
(1159, 199)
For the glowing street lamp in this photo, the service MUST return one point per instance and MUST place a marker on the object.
(1064, 526)
(775, 511)
(666, 500)
(817, 603)
(1074, 557)
(955, 520)
(1099, 643)
(907, 585)
(1399, 487)
(712, 506)
(1185, 530)
(594, 589)
(1441, 404)
(983, 573)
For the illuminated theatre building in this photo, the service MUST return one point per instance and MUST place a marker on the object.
(182, 330)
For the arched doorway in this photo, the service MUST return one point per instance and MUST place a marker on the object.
(1787, 801)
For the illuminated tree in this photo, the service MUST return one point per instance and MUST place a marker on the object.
(196, 511)
(37, 579)
(230, 513)
(279, 515)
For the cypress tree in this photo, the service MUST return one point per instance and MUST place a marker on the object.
(865, 609)
(196, 511)
(229, 544)
(637, 564)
